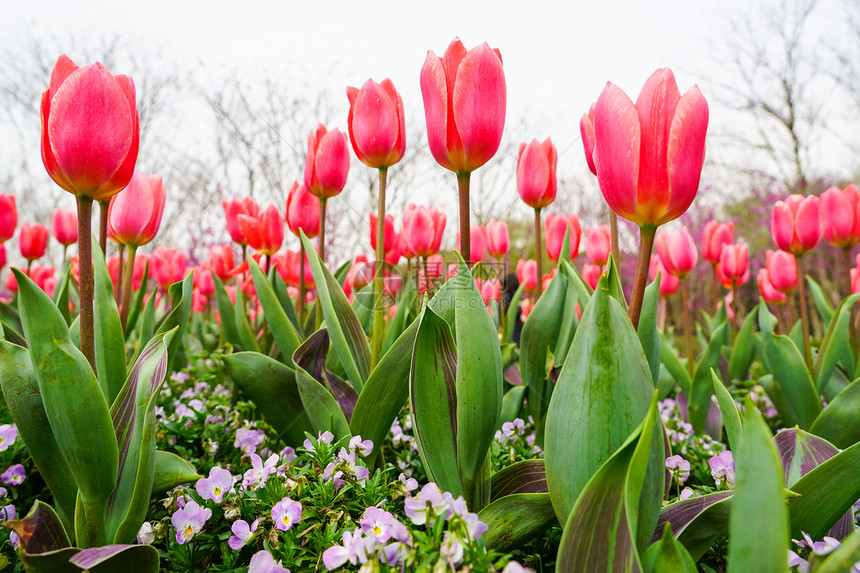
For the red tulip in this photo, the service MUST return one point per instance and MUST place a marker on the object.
(303, 211)
(3, 259)
(221, 261)
(477, 244)
(392, 257)
(64, 227)
(669, 283)
(360, 273)
(498, 240)
(90, 131)
(464, 104)
(527, 274)
(232, 209)
(327, 162)
(112, 264)
(389, 241)
(8, 217)
(32, 240)
(140, 262)
(795, 224)
(735, 262)
(782, 270)
(555, 227)
(435, 265)
(677, 251)
(135, 213)
(265, 233)
(597, 244)
(714, 237)
(586, 129)
(198, 300)
(649, 155)
(289, 267)
(203, 281)
(536, 166)
(840, 216)
(168, 266)
(44, 278)
(377, 124)
(422, 230)
(768, 292)
(591, 274)
(490, 290)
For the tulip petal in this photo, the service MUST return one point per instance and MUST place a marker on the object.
(686, 152)
(807, 223)
(617, 139)
(435, 94)
(62, 70)
(782, 226)
(48, 158)
(374, 124)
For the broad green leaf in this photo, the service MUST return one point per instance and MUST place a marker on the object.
(822, 301)
(243, 326)
(697, 522)
(282, 329)
(181, 295)
(226, 312)
(616, 290)
(528, 476)
(272, 387)
(703, 384)
(835, 344)
(669, 358)
(648, 334)
(758, 527)
(511, 314)
(839, 422)
(171, 471)
(401, 318)
(785, 361)
(667, 556)
(287, 302)
(147, 320)
(825, 494)
(73, 401)
(109, 337)
(601, 396)
(731, 416)
(743, 349)
(433, 398)
(133, 415)
(516, 519)
(44, 545)
(320, 405)
(567, 327)
(61, 294)
(21, 392)
(347, 336)
(137, 306)
(512, 403)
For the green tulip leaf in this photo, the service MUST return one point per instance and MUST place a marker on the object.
(835, 344)
(667, 556)
(743, 349)
(108, 336)
(226, 312)
(283, 330)
(514, 520)
(171, 471)
(839, 422)
(729, 410)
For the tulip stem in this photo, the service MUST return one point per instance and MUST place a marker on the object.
(321, 249)
(126, 284)
(85, 264)
(103, 225)
(119, 284)
(780, 328)
(538, 253)
(804, 313)
(65, 255)
(613, 229)
(646, 244)
(688, 326)
(301, 302)
(465, 223)
(715, 288)
(378, 302)
(846, 264)
(427, 285)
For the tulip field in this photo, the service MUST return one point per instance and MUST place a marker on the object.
(276, 407)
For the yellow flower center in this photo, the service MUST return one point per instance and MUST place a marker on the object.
(188, 530)
(216, 491)
(377, 530)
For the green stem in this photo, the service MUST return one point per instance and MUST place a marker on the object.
(378, 303)
(95, 515)
(118, 294)
(322, 258)
(301, 302)
(646, 244)
(688, 327)
(538, 253)
(715, 288)
(85, 259)
(804, 313)
(465, 223)
(126, 285)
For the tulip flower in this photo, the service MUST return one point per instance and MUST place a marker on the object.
(3, 259)
(422, 230)
(855, 280)
(677, 251)
(32, 241)
(782, 270)
(714, 236)
(597, 244)
(90, 139)
(770, 294)
(221, 261)
(392, 257)
(326, 168)
(527, 274)
(840, 222)
(477, 245)
(8, 217)
(303, 211)
(135, 214)
(591, 274)
(555, 228)
(265, 233)
(649, 157)
(734, 264)
(498, 240)
(232, 209)
(669, 283)
(389, 241)
(168, 266)
(536, 183)
(64, 227)
(465, 97)
(377, 123)
(360, 273)
(202, 280)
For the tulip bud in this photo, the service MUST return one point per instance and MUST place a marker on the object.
(168, 266)
(203, 282)
(3, 259)
(586, 129)
(677, 251)
(327, 162)
(64, 227)
(734, 263)
(422, 230)
(768, 292)
(669, 283)
(598, 244)
(90, 131)
(32, 240)
(591, 274)
(714, 236)
(782, 270)
(232, 209)
(134, 216)
(8, 217)
(649, 155)
(840, 216)
(536, 168)
(795, 224)
(498, 240)
(477, 246)
(265, 233)
(464, 104)
(389, 240)
(360, 273)
(555, 228)
(527, 274)
(377, 124)
(221, 261)
(303, 211)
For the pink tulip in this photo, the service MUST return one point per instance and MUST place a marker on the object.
(649, 155)
(591, 274)
(554, 228)
(768, 292)
(477, 244)
(390, 236)
(840, 216)
(795, 224)
(168, 266)
(677, 251)
(90, 131)
(221, 261)
(203, 282)
(714, 237)
(536, 167)
(392, 257)
(8, 217)
(327, 162)
(597, 244)
(498, 240)
(377, 124)
(527, 274)
(64, 227)
(32, 240)
(135, 213)
(303, 211)
(44, 278)
(586, 129)
(464, 104)
(435, 266)
(669, 283)
(735, 263)
(782, 270)
(265, 233)
(288, 265)
(360, 273)
(422, 230)
(232, 209)
(3, 259)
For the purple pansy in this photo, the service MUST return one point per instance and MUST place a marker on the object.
(247, 439)
(219, 482)
(242, 533)
(679, 467)
(14, 475)
(8, 434)
(263, 562)
(256, 477)
(286, 513)
(189, 520)
(723, 469)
